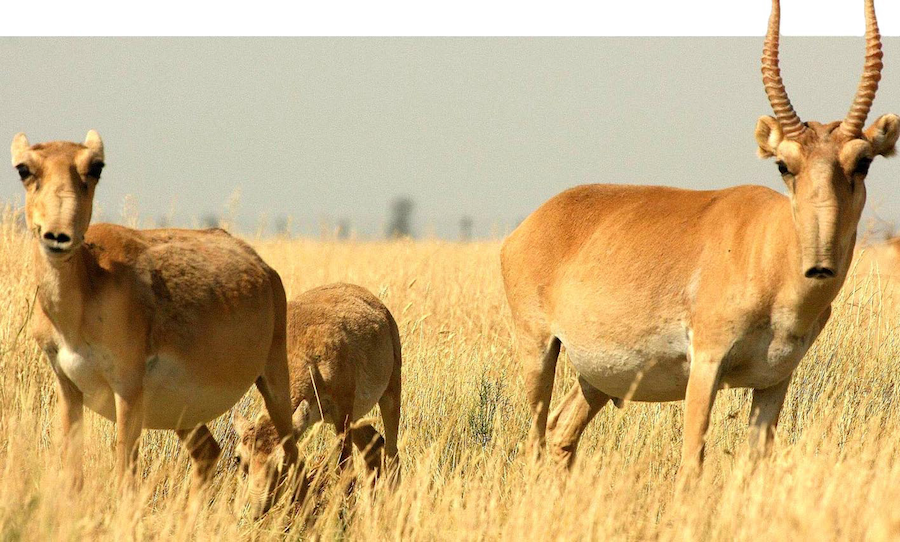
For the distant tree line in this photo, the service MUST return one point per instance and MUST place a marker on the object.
(399, 224)
(400, 220)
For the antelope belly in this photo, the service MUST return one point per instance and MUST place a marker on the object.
(658, 370)
(175, 398)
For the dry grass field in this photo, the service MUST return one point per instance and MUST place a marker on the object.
(835, 474)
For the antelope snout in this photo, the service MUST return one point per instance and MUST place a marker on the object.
(818, 263)
(259, 509)
(820, 272)
(262, 496)
(57, 242)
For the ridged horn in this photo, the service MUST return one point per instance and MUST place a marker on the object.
(868, 84)
(778, 98)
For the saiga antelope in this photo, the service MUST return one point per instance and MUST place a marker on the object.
(661, 294)
(344, 358)
(155, 329)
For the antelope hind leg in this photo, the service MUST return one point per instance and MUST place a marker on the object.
(370, 444)
(205, 452)
(570, 418)
(539, 366)
(764, 413)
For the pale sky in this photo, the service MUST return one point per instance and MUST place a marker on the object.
(327, 129)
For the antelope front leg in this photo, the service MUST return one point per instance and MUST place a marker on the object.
(764, 414)
(71, 410)
(129, 423)
(702, 386)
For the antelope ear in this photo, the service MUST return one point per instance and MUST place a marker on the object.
(883, 133)
(93, 142)
(240, 423)
(17, 149)
(768, 136)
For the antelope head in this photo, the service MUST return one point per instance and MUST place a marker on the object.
(59, 179)
(824, 165)
(261, 458)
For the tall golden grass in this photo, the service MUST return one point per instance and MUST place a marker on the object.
(835, 474)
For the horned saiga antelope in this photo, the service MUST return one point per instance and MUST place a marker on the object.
(152, 329)
(661, 294)
(344, 357)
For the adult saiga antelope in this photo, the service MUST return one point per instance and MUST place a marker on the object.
(344, 357)
(156, 329)
(660, 294)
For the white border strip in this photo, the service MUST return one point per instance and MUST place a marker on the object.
(423, 18)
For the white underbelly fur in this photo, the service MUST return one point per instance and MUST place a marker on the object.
(656, 370)
(173, 396)
(658, 367)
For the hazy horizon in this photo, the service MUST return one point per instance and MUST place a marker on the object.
(327, 130)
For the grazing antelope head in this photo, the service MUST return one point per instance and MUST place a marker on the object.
(261, 457)
(824, 165)
(59, 178)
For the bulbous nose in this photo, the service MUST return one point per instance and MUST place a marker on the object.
(259, 508)
(57, 241)
(820, 273)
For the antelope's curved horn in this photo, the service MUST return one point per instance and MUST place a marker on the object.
(781, 104)
(868, 85)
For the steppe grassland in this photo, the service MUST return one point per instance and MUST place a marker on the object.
(836, 474)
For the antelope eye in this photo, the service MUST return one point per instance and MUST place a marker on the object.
(95, 170)
(782, 168)
(24, 172)
(862, 167)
